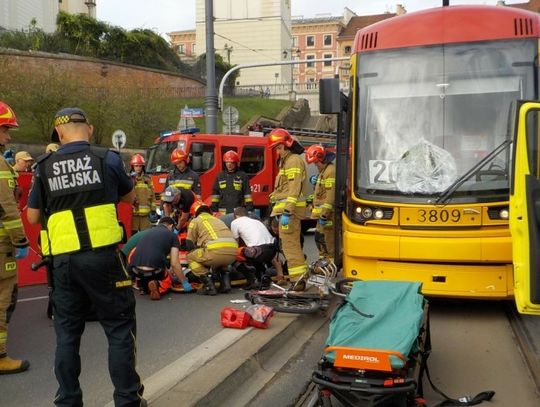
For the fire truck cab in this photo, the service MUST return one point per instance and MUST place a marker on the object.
(206, 153)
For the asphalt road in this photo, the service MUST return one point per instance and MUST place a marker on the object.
(167, 329)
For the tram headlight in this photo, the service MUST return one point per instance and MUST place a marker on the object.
(378, 214)
(367, 213)
(362, 214)
(504, 214)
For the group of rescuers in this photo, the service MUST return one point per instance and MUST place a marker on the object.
(227, 231)
(74, 194)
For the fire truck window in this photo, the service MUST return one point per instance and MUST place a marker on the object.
(252, 160)
(202, 156)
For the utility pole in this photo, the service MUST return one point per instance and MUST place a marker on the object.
(228, 49)
(210, 95)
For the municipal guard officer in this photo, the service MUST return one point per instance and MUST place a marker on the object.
(231, 188)
(323, 198)
(74, 194)
(290, 198)
(13, 243)
(181, 176)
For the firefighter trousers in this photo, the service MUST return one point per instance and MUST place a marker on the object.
(8, 291)
(324, 239)
(8, 300)
(80, 280)
(292, 246)
(140, 222)
(200, 260)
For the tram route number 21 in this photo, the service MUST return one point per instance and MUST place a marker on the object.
(382, 171)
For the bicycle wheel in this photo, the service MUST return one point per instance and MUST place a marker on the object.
(344, 286)
(287, 304)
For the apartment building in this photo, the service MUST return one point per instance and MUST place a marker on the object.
(183, 42)
(247, 32)
(18, 14)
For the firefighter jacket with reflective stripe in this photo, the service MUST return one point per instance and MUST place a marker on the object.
(210, 232)
(188, 179)
(11, 227)
(78, 215)
(231, 190)
(144, 195)
(290, 186)
(323, 196)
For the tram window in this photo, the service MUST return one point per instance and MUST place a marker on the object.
(252, 160)
(533, 129)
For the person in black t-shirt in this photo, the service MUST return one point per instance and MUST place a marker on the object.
(176, 204)
(148, 260)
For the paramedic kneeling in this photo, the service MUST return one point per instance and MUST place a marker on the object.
(148, 260)
(74, 194)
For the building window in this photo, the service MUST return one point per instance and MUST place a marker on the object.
(193, 48)
(327, 39)
(347, 50)
(181, 49)
(327, 63)
(310, 64)
(310, 41)
(295, 42)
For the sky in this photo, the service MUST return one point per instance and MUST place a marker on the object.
(165, 16)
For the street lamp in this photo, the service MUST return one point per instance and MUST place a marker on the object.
(276, 75)
(228, 49)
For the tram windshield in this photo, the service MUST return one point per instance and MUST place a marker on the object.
(427, 115)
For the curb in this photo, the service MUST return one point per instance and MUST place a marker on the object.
(233, 373)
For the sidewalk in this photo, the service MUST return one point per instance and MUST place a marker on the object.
(243, 360)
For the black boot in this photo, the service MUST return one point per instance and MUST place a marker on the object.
(224, 281)
(208, 287)
(252, 283)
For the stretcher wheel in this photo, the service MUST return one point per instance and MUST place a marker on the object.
(344, 286)
(289, 305)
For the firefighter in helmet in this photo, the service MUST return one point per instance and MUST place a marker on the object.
(144, 194)
(211, 244)
(231, 188)
(182, 176)
(13, 243)
(289, 197)
(323, 198)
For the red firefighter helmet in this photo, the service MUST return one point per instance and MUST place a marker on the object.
(193, 211)
(179, 155)
(280, 136)
(231, 156)
(315, 154)
(137, 159)
(7, 116)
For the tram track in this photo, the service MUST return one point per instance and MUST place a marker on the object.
(524, 330)
(525, 342)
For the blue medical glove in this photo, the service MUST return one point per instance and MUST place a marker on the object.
(285, 219)
(323, 221)
(187, 287)
(176, 231)
(313, 179)
(21, 252)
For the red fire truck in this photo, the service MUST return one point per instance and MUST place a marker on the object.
(206, 153)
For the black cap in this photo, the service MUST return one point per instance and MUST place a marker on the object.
(67, 115)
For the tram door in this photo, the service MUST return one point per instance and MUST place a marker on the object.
(525, 208)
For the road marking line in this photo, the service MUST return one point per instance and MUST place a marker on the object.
(33, 298)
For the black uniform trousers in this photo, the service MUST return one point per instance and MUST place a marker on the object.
(82, 280)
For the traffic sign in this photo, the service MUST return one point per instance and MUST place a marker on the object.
(192, 112)
(230, 115)
(119, 139)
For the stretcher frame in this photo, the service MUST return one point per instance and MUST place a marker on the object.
(365, 378)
